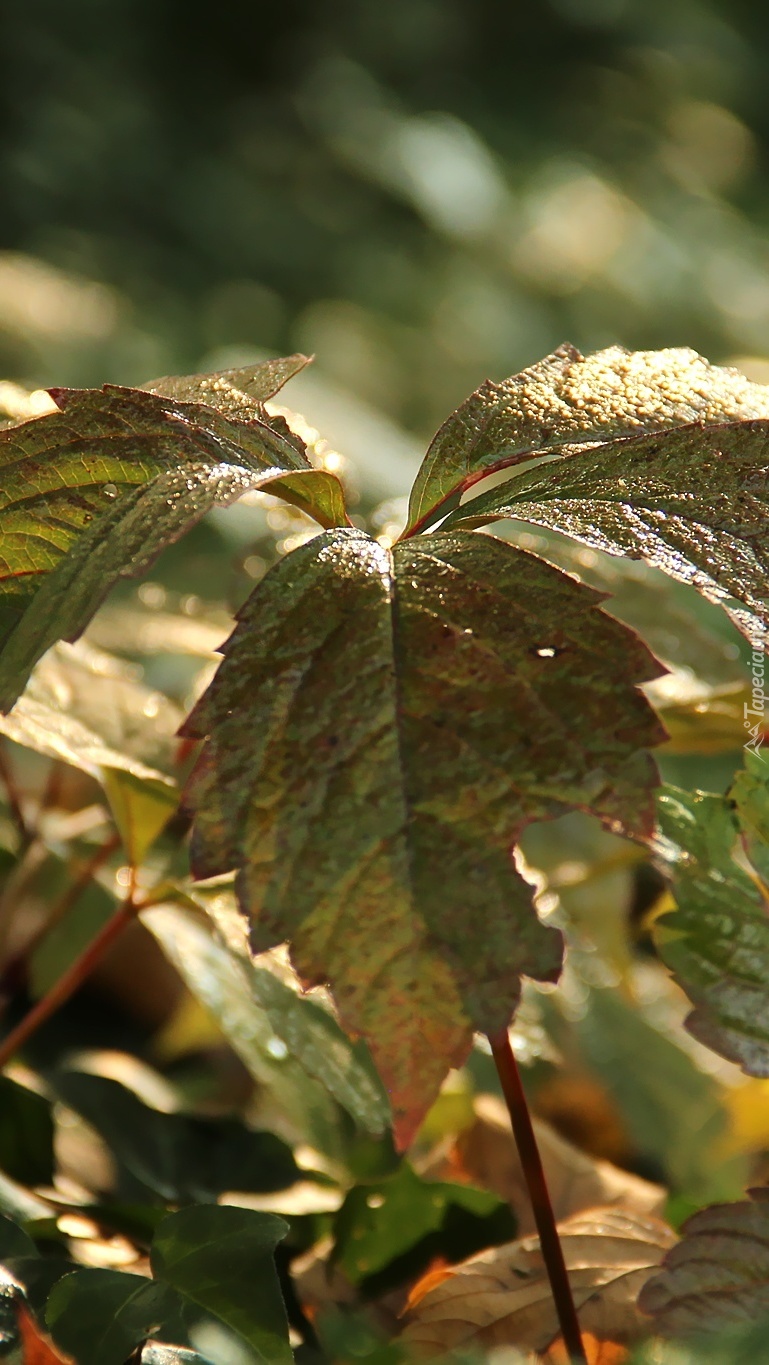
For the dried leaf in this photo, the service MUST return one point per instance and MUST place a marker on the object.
(572, 400)
(502, 1297)
(37, 1348)
(717, 1277)
(487, 1155)
(407, 713)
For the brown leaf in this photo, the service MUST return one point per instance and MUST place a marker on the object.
(597, 1352)
(488, 1157)
(717, 1276)
(37, 1348)
(502, 1297)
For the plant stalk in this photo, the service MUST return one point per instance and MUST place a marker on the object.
(67, 984)
(531, 1162)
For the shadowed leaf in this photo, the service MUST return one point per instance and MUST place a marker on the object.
(407, 714)
(717, 1277)
(92, 493)
(716, 942)
(572, 400)
(502, 1297)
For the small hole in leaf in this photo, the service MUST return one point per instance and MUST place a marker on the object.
(546, 652)
(375, 1201)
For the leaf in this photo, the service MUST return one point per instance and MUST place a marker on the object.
(180, 1157)
(717, 1277)
(502, 1297)
(221, 1260)
(92, 493)
(155, 1353)
(716, 942)
(407, 714)
(26, 1134)
(383, 1221)
(692, 501)
(486, 1154)
(86, 708)
(102, 1315)
(280, 1036)
(207, 1262)
(235, 393)
(569, 400)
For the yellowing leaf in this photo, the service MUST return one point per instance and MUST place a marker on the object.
(382, 728)
(502, 1297)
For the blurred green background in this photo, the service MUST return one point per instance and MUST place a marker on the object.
(422, 192)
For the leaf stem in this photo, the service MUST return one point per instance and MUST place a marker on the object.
(66, 901)
(550, 1242)
(69, 982)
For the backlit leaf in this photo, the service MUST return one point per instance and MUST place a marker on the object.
(572, 400)
(692, 501)
(407, 713)
(502, 1297)
(92, 493)
(717, 1276)
(716, 942)
(88, 709)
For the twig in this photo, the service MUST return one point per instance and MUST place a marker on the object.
(68, 983)
(14, 799)
(549, 1241)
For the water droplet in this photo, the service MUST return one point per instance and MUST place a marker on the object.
(375, 1201)
(276, 1048)
(151, 707)
(110, 490)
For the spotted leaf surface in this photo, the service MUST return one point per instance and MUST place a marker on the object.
(93, 492)
(571, 400)
(383, 725)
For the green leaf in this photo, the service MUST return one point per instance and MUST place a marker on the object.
(284, 1039)
(207, 1262)
(381, 1222)
(692, 501)
(14, 1241)
(717, 1277)
(179, 1157)
(222, 1261)
(86, 708)
(716, 943)
(155, 1353)
(572, 400)
(100, 1316)
(407, 713)
(26, 1134)
(91, 494)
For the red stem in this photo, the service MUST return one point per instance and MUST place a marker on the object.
(531, 1161)
(68, 983)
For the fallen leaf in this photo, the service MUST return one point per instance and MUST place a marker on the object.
(487, 1156)
(502, 1297)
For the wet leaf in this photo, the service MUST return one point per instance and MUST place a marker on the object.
(408, 712)
(502, 1297)
(180, 1157)
(285, 1040)
(102, 1315)
(716, 942)
(92, 493)
(571, 400)
(156, 1353)
(692, 501)
(717, 1277)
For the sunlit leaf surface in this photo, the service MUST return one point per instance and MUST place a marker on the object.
(406, 714)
